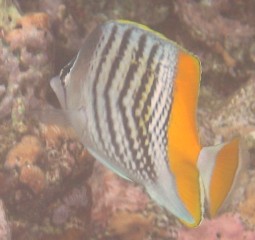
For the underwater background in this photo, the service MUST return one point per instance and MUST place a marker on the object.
(50, 187)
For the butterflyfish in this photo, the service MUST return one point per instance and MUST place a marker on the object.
(131, 96)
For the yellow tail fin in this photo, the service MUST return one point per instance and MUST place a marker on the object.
(218, 166)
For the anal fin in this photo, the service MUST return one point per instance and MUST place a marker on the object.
(218, 166)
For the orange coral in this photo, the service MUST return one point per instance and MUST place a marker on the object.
(69, 234)
(128, 225)
(28, 29)
(39, 20)
(33, 177)
(54, 133)
(25, 152)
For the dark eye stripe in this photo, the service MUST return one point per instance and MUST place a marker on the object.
(106, 50)
(63, 73)
(65, 70)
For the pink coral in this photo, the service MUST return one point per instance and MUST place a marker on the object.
(225, 227)
(111, 193)
(76, 203)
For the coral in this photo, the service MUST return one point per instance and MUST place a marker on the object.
(24, 153)
(77, 203)
(247, 206)
(25, 34)
(125, 225)
(221, 33)
(18, 115)
(61, 215)
(147, 12)
(227, 122)
(54, 134)
(51, 205)
(38, 20)
(71, 233)
(206, 24)
(26, 61)
(113, 193)
(79, 197)
(72, 20)
(227, 226)
(8, 14)
(37, 178)
(33, 177)
(5, 233)
(218, 119)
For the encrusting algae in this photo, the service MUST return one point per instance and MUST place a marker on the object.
(8, 14)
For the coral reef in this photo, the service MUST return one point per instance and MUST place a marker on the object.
(33, 177)
(8, 14)
(116, 194)
(26, 61)
(76, 202)
(122, 210)
(24, 153)
(46, 179)
(247, 206)
(147, 12)
(227, 226)
(37, 183)
(227, 122)
(222, 27)
(126, 225)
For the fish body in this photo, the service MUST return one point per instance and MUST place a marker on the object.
(131, 95)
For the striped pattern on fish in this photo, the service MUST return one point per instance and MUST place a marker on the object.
(125, 124)
(131, 95)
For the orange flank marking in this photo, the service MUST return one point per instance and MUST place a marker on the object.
(223, 175)
(183, 140)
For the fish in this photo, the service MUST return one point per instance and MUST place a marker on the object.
(131, 96)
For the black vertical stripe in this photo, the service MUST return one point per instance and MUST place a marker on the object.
(152, 89)
(150, 96)
(105, 52)
(129, 77)
(163, 130)
(142, 89)
(115, 66)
